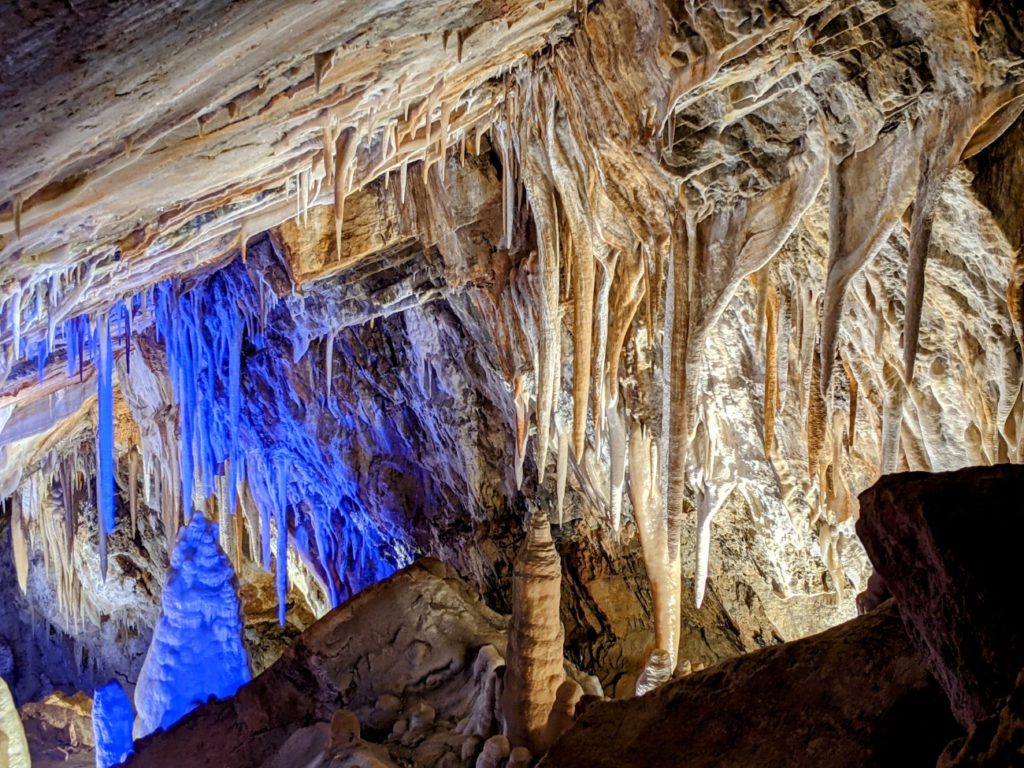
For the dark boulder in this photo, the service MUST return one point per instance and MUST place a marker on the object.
(948, 548)
(856, 695)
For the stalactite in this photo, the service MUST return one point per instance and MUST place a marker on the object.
(133, 489)
(329, 364)
(535, 640)
(674, 426)
(656, 672)
(519, 397)
(861, 216)
(19, 545)
(816, 414)
(852, 427)
(771, 366)
(599, 372)
(663, 567)
(562, 467)
(542, 203)
(281, 560)
(617, 446)
(892, 418)
(105, 459)
(344, 168)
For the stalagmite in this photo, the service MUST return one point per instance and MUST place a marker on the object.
(495, 753)
(112, 717)
(197, 649)
(13, 745)
(535, 639)
(563, 712)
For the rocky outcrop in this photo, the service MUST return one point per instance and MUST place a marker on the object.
(855, 696)
(59, 731)
(945, 545)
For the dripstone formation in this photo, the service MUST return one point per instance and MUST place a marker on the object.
(659, 332)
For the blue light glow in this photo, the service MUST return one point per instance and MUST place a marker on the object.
(112, 717)
(197, 649)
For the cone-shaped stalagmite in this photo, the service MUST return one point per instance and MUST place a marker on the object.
(535, 644)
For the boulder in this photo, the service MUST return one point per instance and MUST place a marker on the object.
(857, 695)
(947, 546)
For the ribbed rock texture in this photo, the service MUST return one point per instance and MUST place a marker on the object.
(945, 545)
(856, 695)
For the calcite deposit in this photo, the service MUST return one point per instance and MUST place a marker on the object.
(648, 290)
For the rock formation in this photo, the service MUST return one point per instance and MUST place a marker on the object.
(535, 642)
(369, 282)
(403, 658)
(941, 543)
(856, 695)
(197, 650)
(13, 746)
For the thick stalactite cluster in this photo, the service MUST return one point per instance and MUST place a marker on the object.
(680, 279)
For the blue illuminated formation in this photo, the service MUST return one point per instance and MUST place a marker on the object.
(105, 439)
(112, 717)
(197, 649)
(241, 416)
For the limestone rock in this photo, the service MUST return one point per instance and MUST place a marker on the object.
(944, 545)
(857, 695)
